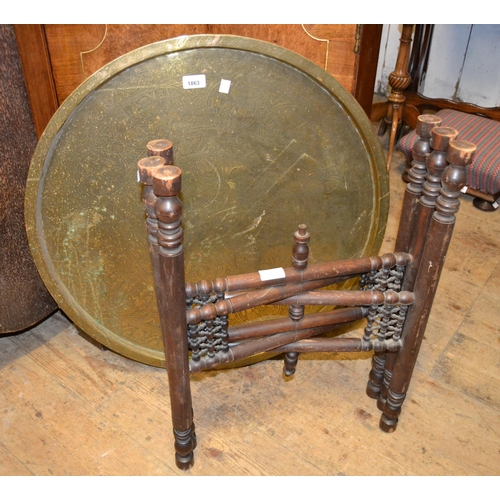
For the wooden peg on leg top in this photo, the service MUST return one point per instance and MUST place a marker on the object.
(163, 148)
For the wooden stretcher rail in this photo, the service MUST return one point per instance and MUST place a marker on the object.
(340, 345)
(349, 298)
(327, 270)
(250, 348)
(295, 293)
(280, 325)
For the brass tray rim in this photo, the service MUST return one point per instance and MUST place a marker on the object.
(36, 172)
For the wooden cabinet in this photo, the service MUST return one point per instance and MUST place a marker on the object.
(56, 58)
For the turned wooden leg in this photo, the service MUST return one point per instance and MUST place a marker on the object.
(399, 79)
(421, 193)
(425, 207)
(160, 153)
(171, 292)
(431, 264)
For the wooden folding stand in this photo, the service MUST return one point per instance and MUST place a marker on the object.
(395, 296)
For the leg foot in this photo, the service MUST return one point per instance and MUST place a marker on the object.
(376, 376)
(384, 390)
(372, 391)
(391, 411)
(484, 205)
(381, 402)
(291, 359)
(388, 425)
(404, 175)
(193, 431)
(185, 442)
(184, 463)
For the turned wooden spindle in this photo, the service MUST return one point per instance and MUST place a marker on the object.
(296, 312)
(270, 342)
(145, 168)
(399, 80)
(301, 248)
(379, 359)
(421, 148)
(440, 230)
(269, 335)
(168, 209)
(436, 163)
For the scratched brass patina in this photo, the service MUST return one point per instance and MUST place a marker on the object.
(282, 144)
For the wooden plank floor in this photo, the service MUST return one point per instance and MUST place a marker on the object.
(69, 408)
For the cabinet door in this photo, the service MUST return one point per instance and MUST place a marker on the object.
(58, 57)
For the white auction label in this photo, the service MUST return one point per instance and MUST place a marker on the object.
(194, 82)
(464, 189)
(224, 86)
(272, 274)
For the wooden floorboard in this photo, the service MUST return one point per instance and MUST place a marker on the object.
(68, 408)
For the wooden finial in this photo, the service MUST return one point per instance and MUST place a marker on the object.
(421, 151)
(459, 155)
(436, 163)
(301, 249)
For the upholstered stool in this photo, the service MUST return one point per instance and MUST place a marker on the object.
(483, 175)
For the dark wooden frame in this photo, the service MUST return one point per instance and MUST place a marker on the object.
(35, 61)
(396, 290)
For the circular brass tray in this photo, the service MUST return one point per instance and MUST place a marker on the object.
(278, 144)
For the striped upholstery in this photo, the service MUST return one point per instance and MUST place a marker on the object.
(484, 172)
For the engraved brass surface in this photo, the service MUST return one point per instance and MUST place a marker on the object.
(285, 145)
